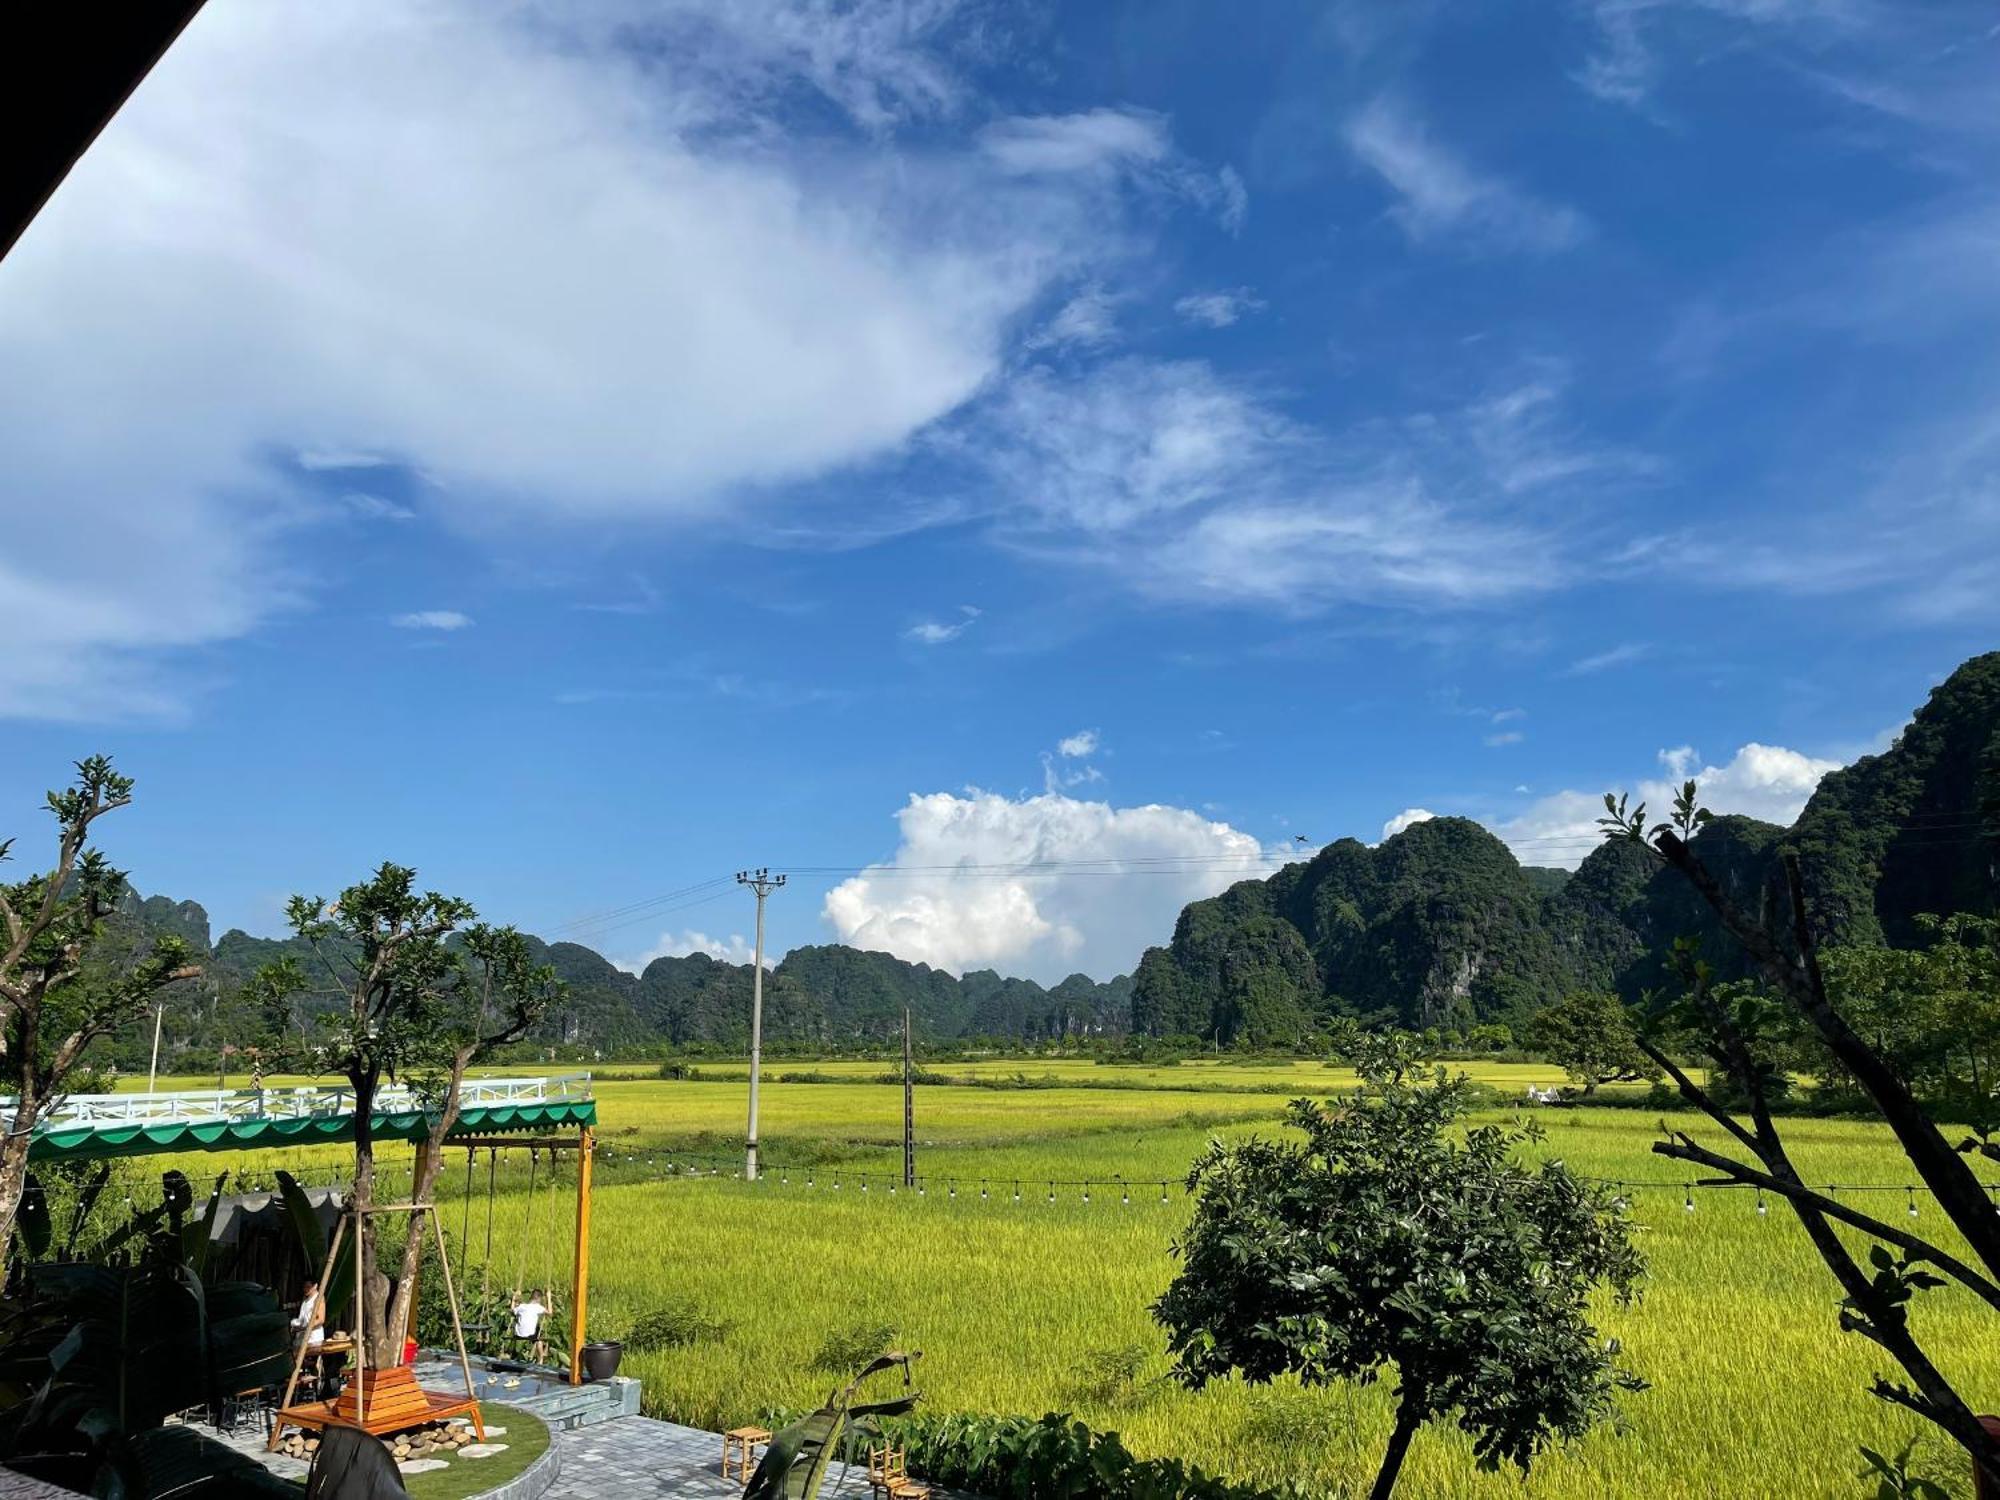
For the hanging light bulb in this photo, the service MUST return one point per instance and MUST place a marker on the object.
(920, 1187)
(952, 1191)
(1688, 1204)
(1086, 1192)
(1762, 1206)
(1052, 1192)
(809, 1179)
(864, 1183)
(1017, 1192)
(1163, 1192)
(1913, 1200)
(982, 1192)
(1125, 1197)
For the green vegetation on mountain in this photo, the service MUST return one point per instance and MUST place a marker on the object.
(1439, 926)
(820, 998)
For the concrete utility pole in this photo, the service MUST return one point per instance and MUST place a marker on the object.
(909, 1111)
(763, 882)
(159, 1019)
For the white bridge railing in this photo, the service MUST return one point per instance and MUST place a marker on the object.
(274, 1102)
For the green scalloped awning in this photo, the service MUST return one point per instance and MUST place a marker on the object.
(92, 1143)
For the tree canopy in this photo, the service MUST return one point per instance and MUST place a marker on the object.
(1391, 1237)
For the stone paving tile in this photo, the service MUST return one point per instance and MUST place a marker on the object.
(641, 1456)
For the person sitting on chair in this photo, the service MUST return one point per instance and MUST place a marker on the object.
(311, 1317)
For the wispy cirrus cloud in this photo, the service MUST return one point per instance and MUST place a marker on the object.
(1218, 309)
(1442, 197)
(1622, 655)
(1186, 485)
(940, 632)
(432, 619)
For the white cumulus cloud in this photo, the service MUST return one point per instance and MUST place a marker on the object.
(1083, 742)
(734, 949)
(1769, 782)
(1407, 818)
(1040, 886)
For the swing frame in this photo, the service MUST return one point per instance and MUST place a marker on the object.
(585, 1145)
(401, 1403)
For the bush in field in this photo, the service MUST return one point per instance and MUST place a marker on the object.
(846, 1350)
(675, 1325)
(1109, 1377)
(1016, 1458)
(1394, 1236)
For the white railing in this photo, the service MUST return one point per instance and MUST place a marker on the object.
(287, 1102)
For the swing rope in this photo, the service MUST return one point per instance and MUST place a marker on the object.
(528, 1228)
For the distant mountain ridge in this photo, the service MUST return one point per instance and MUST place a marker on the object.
(1441, 926)
(1438, 926)
(827, 995)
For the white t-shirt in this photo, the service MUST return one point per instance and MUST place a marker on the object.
(527, 1319)
(315, 1331)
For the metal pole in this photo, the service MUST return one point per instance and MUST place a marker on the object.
(909, 1111)
(153, 1072)
(763, 882)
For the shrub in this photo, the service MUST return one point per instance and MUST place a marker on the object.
(1016, 1458)
(1109, 1377)
(845, 1350)
(675, 1325)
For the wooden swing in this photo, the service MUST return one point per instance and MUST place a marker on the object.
(379, 1401)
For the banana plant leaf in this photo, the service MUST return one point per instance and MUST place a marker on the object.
(196, 1237)
(795, 1464)
(107, 1353)
(339, 1289)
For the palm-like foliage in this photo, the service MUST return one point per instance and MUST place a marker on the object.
(795, 1464)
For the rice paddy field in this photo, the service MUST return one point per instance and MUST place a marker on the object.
(1038, 1302)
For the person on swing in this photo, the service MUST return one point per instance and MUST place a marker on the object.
(528, 1317)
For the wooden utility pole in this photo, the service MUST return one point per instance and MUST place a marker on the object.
(579, 1295)
(909, 1111)
(763, 882)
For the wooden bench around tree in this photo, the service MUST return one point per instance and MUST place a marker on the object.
(381, 1402)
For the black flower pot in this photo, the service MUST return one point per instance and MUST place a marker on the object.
(600, 1358)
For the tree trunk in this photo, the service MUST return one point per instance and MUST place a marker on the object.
(14, 1177)
(1407, 1422)
(424, 1173)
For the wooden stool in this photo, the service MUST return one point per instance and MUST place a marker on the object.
(909, 1489)
(736, 1446)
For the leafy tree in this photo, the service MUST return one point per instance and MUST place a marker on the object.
(1933, 1013)
(1747, 1027)
(1589, 1034)
(1393, 1235)
(427, 991)
(54, 999)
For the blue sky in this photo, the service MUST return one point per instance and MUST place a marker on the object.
(581, 451)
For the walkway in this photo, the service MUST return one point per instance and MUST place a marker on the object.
(641, 1456)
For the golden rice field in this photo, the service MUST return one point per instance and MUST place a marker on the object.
(1753, 1391)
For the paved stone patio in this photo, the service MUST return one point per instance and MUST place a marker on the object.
(641, 1456)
